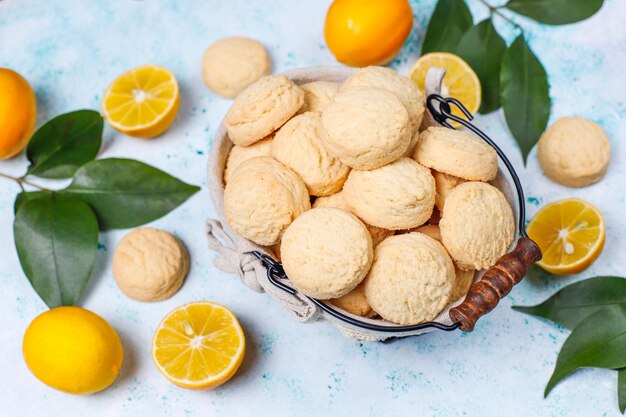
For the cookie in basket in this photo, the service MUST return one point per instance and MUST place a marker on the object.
(456, 153)
(262, 108)
(299, 146)
(367, 127)
(262, 198)
(444, 183)
(405, 89)
(463, 278)
(355, 302)
(337, 201)
(326, 252)
(238, 154)
(318, 94)
(411, 279)
(397, 196)
(477, 225)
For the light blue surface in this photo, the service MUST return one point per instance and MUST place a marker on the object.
(70, 50)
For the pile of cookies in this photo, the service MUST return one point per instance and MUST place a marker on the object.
(364, 206)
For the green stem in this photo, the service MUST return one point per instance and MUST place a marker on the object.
(22, 181)
(496, 11)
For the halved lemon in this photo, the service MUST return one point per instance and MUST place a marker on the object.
(460, 82)
(199, 345)
(142, 102)
(570, 233)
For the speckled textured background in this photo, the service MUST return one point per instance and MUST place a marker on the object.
(70, 50)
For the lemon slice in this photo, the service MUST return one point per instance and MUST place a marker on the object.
(198, 345)
(142, 102)
(460, 82)
(570, 233)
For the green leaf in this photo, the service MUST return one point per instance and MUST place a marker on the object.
(621, 389)
(126, 193)
(450, 20)
(25, 196)
(555, 12)
(524, 95)
(577, 301)
(599, 341)
(483, 48)
(64, 144)
(56, 237)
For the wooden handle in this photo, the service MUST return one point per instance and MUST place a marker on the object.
(495, 284)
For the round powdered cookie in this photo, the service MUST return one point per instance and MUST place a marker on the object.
(238, 154)
(406, 90)
(232, 64)
(367, 127)
(150, 264)
(411, 279)
(326, 252)
(337, 201)
(456, 153)
(317, 95)
(262, 198)
(262, 108)
(355, 302)
(398, 196)
(444, 183)
(298, 145)
(477, 225)
(574, 152)
(463, 278)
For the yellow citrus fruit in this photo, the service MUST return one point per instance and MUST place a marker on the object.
(142, 102)
(570, 233)
(367, 32)
(73, 350)
(460, 82)
(199, 345)
(18, 113)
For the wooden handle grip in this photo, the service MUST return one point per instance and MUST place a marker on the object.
(495, 284)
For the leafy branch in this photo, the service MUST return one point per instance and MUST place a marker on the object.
(56, 231)
(512, 77)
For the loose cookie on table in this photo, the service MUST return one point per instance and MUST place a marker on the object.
(477, 225)
(397, 196)
(411, 279)
(262, 108)
(456, 153)
(262, 198)
(367, 127)
(326, 252)
(150, 264)
(299, 146)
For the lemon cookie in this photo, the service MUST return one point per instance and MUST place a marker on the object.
(463, 278)
(355, 302)
(238, 154)
(262, 108)
(232, 64)
(411, 279)
(400, 195)
(262, 198)
(326, 252)
(298, 145)
(150, 264)
(456, 153)
(477, 225)
(406, 90)
(317, 95)
(367, 127)
(444, 183)
(337, 201)
(574, 152)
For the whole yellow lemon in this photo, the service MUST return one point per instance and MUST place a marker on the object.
(73, 350)
(367, 32)
(18, 113)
